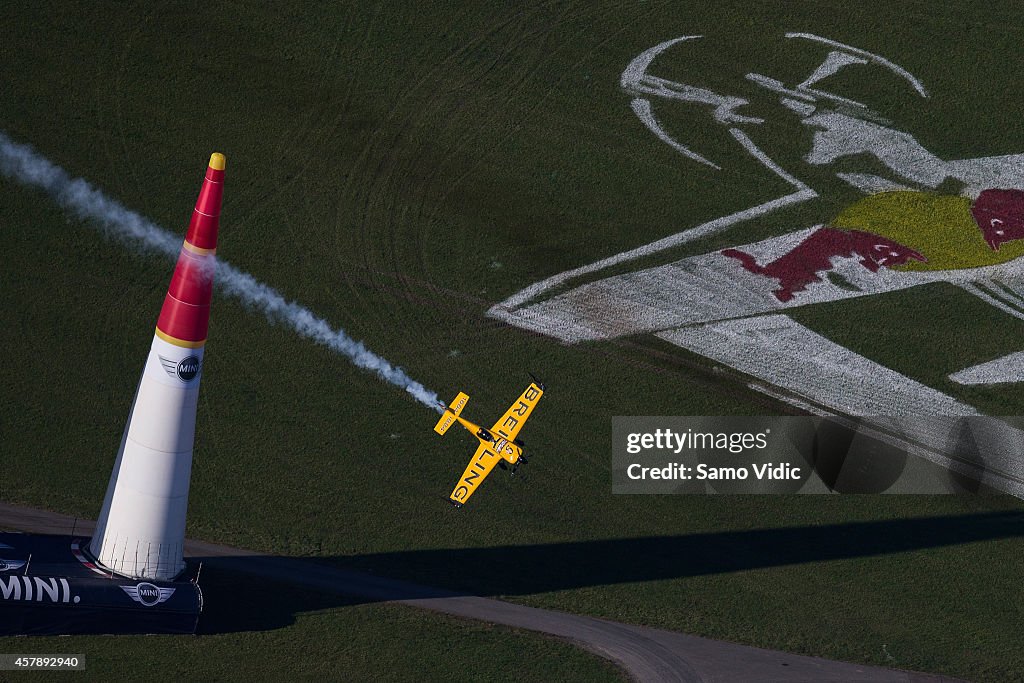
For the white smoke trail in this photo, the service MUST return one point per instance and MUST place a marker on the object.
(23, 164)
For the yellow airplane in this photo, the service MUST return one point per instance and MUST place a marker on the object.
(496, 444)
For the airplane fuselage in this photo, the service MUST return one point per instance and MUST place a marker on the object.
(499, 445)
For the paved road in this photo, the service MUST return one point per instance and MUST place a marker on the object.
(646, 654)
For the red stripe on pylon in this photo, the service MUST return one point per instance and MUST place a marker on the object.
(186, 311)
(192, 281)
(202, 229)
(184, 321)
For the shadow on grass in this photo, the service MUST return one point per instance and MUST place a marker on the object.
(235, 601)
(238, 597)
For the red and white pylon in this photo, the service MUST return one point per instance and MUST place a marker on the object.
(141, 529)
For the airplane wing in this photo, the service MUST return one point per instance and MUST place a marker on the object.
(479, 467)
(515, 417)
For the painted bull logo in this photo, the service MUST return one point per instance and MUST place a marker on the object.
(1000, 215)
(959, 233)
(921, 219)
(801, 266)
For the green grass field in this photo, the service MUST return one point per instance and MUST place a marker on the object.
(398, 172)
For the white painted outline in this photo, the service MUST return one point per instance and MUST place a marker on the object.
(758, 154)
(878, 59)
(836, 60)
(636, 80)
(1007, 369)
(643, 110)
(504, 310)
(991, 299)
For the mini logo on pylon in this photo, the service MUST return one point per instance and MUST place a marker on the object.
(185, 369)
(188, 369)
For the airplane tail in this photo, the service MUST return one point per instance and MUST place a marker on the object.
(450, 413)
